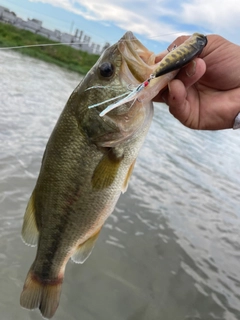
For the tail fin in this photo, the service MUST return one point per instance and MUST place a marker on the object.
(41, 294)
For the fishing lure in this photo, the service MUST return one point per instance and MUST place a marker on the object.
(178, 57)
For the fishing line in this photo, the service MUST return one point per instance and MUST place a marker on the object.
(48, 44)
(101, 87)
(155, 37)
(105, 101)
(78, 43)
(42, 45)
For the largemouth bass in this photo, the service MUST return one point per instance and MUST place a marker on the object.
(86, 165)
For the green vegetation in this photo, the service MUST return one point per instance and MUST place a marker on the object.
(62, 55)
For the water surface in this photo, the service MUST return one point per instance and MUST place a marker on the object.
(170, 250)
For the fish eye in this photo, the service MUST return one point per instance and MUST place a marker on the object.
(106, 69)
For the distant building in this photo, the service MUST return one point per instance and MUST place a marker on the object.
(97, 49)
(77, 41)
(19, 23)
(85, 44)
(66, 38)
(107, 45)
(34, 24)
(7, 16)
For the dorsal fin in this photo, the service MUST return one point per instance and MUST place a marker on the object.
(29, 229)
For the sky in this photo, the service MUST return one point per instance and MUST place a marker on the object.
(155, 23)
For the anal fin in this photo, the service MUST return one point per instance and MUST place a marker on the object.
(29, 229)
(84, 250)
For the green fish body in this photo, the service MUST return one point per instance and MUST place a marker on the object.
(86, 165)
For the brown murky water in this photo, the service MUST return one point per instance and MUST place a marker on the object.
(170, 250)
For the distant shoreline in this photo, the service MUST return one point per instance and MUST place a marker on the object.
(61, 55)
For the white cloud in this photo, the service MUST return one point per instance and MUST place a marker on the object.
(158, 18)
(218, 15)
(138, 16)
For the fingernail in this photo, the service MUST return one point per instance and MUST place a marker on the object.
(191, 68)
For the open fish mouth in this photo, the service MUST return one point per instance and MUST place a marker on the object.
(140, 61)
(140, 70)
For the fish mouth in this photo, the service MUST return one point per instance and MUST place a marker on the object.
(139, 61)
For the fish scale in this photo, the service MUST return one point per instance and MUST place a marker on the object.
(86, 165)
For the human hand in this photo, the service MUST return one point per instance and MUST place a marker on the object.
(206, 93)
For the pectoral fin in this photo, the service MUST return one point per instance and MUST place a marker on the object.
(84, 250)
(106, 171)
(130, 170)
(29, 228)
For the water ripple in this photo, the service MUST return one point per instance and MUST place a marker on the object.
(170, 248)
